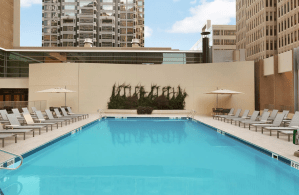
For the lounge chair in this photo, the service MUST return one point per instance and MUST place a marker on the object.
(247, 118)
(30, 121)
(41, 118)
(16, 131)
(237, 115)
(276, 123)
(244, 116)
(288, 133)
(273, 115)
(263, 120)
(86, 115)
(25, 110)
(292, 126)
(3, 136)
(252, 118)
(231, 113)
(286, 113)
(15, 124)
(17, 113)
(51, 117)
(265, 110)
(74, 115)
(58, 115)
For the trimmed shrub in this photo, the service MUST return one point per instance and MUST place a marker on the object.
(144, 110)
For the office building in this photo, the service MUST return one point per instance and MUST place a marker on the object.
(256, 23)
(109, 23)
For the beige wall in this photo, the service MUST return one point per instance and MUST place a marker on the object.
(285, 62)
(269, 66)
(14, 83)
(93, 83)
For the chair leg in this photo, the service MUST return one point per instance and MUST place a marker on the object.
(289, 137)
(255, 128)
(270, 133)
(277, 134)
(16, 138)
(3, 143)
(24, 136)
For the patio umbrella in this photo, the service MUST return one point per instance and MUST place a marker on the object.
(57, 90)
(223, 92)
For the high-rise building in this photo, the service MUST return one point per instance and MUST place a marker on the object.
(109, 23)
(10, 24)
(256, 23)
(288, 25)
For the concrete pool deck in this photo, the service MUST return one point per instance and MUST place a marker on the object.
(279, 146)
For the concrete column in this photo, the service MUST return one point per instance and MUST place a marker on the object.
(16, 23)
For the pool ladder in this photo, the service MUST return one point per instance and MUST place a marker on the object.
(191, 114)
(21, 158)
(101, 113)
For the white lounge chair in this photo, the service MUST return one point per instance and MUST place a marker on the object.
(292, 126)
(288, 133)
(263, 120)
(237, 115)
(58, 115)
(244, 116)
(15, 124)
(73, 115)
(273, 115)
(16, 131)
(30, 121)
(276, 123)
(51, 117)
(41, 119)
(252, 118)
(4, 136)
(71, 112)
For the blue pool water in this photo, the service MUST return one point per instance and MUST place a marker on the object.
(148, 157)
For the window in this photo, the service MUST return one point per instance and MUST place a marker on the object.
(68, 36)
(107, 7)
(106, 28)
(86, 20)
(216, 42)
(68, 28)
(123, 38)
(122, 16)
(107, 21)
(123, 23)
(123, 31)
(130, 31)
(106, 36)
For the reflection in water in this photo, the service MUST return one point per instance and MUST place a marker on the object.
(125, 132)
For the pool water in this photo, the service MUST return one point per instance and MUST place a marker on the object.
(150, 156)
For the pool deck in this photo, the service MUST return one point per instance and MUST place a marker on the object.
(279, 146)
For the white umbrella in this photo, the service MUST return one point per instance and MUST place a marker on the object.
(223, 92)
(57, 90)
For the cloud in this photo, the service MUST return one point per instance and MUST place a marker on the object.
(28, 3)
(218, 11)
(147, 32)
(193, 2)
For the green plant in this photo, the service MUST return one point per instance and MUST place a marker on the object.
(169, 99)
(144, 110)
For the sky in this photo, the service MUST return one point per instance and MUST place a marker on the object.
(168, 23)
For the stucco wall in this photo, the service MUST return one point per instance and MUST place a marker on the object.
(285, 62)
(93, 83)
(269, 66)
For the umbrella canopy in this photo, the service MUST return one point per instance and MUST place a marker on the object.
(56, 90)
(224, 91)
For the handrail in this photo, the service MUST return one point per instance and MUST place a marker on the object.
(13, 155)
(100, 111)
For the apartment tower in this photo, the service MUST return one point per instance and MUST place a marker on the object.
(256, 22)
(109, 23)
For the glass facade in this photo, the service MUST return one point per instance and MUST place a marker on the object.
(16, 63)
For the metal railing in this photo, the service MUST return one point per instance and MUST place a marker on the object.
(8, 105)
(21, 158)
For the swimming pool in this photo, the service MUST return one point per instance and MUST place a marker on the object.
(150, 156)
